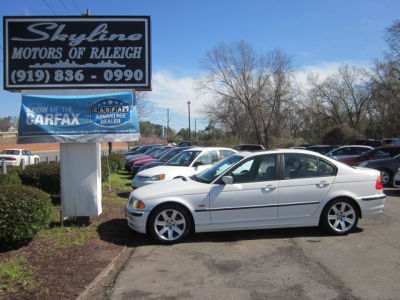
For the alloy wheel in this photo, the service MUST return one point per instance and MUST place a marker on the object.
(341, 217)
(170, 225)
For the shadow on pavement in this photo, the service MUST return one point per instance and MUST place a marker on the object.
(393, 192)
(117, 231)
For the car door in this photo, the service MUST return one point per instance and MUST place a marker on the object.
(306, 181)
(252, 198)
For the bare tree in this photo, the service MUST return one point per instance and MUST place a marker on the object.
(242, 80)
(342, 98)
(144, 106)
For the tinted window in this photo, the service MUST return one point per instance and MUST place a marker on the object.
(342, 151)
(209, 157)
(212, 173)
(183, 159)
(326, 169)
(225, 153)
(10, 152)
(300, 166)
(260, 168)
(359, 151)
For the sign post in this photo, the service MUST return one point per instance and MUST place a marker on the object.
(75, 74)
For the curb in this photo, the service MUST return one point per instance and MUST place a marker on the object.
(96, 286)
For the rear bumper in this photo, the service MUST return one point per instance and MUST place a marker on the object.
(372, 205)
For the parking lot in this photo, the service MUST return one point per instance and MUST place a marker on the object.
(300, 263)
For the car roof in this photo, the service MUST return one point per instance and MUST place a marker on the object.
(284, 150)
(208, 148)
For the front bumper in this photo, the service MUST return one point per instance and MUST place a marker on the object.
(136, 219)
(372, 205)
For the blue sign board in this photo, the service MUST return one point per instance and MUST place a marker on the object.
(78, 119)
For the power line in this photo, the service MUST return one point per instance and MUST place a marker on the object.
(73, 1)
(48, 7)
(62, 3)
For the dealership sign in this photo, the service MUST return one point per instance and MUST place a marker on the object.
(78, 119)
(77, 52)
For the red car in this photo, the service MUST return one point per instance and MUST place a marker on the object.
(377, 153)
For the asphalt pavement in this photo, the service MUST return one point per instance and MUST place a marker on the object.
(300, 263)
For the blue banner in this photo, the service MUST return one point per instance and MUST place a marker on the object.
(78, 119)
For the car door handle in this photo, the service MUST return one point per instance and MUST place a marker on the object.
(323, 183)
(269, 187)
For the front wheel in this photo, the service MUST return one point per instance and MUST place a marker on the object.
(339, 217)
(169, 224)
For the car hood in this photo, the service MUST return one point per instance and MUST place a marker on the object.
(171, 188)
(168, 170)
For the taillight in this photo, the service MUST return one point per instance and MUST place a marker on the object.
(378, 183)
(11, 158)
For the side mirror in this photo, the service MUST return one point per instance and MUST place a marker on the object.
(227, 179)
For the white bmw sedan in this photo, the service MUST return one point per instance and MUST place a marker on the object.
(280, 188)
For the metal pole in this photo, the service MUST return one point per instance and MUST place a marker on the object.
(166, 134)
(189, 117)
(195, 129)
(3, 166)
(23, 164)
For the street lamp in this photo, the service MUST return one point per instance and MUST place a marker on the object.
(189, 117)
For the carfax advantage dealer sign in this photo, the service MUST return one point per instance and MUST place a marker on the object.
(77, 52)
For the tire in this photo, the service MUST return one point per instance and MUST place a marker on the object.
(169, 224)
(386, 176)
(339, 217)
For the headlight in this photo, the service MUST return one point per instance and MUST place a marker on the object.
(157, 177)
(136, 203)
(363, 165)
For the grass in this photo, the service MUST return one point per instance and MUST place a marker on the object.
(15, 273)
(72, 234)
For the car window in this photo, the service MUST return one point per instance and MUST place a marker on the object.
(10, 152)
(359, 150)
(342, 151)
(24, 152)
(326, 168)
(208, 157)
(184, 158)
(260, 168)
(381, 153)
(394, 152)
(225, 153)
(300, 166)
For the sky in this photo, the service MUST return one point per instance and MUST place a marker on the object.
(319, 36)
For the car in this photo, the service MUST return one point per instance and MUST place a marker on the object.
(396, 179)
(377, 153)
(323, 149)
(387, 166)
(186, 163)
(348, 151)
(370, 142)
(158, 152)
(270, 189)
(15, 157)
(248, 147)
(151, 163)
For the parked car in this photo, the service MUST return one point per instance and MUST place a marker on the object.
(151, 163)
(14, 157)
(147, 158)
(248, 147)
(396, 179)
(391, 141)
(323, 149)
(186, 163)
(387, 166)
(148, 152)
(348, 151)
(279, 188)
(377, 153)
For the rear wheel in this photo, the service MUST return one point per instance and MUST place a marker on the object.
(339, 217)
(386, 176)
(169, 224)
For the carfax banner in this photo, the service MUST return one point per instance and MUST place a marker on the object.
(78, 119)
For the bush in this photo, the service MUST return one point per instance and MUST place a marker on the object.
(105, 172)
(12, 176)
(24, 210)
(43, 176)
(116, 162)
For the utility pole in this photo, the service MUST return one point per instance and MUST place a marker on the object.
(189, 117)
(166, 134)
(195, 129)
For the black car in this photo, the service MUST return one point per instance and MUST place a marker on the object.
(387, 166)
(249, 147)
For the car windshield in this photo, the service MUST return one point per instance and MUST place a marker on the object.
(183, 159)
(210, 174)
(159, 152)
(10, 152)
(169, 154)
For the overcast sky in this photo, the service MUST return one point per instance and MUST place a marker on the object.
(319, 36)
